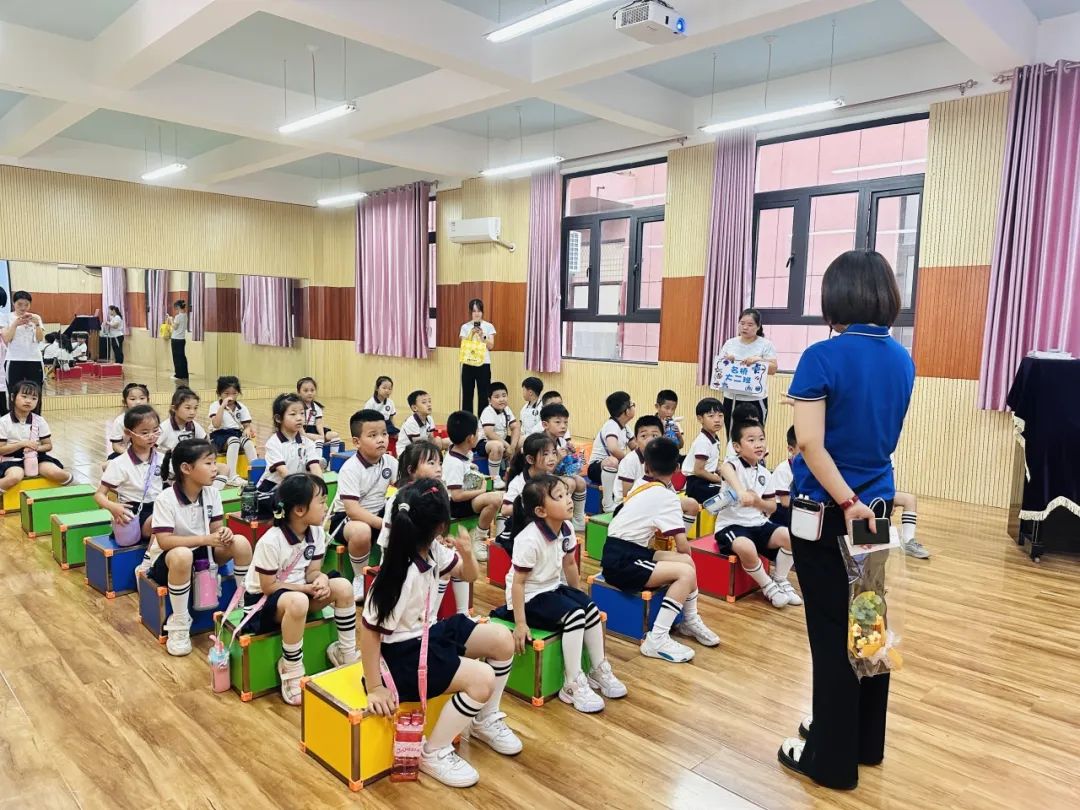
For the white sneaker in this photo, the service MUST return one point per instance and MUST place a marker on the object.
(358, 589)
(775, 594)
(792, 595)
(493, 732)
(580, 695)
(603, 680)
(479, 546)
(446, 766)
(694, 627)
(339, 656)
(804, 726)
(237, 482)
(178, 630)
(290, 675)
(667, 649)
(498, 483)
(913, 548)
(579, 525)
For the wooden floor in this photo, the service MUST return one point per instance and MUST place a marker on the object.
(156, 379)
(94, 714)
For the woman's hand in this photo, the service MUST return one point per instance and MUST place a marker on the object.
(381, 701)
(749, 361)
(730, 358)
(521, 637)
(860, 511)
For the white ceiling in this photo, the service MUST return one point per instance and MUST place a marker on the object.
(89, 86)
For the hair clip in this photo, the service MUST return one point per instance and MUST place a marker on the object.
(279, 510)
(403, 507)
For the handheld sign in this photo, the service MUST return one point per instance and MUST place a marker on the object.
(732, 375)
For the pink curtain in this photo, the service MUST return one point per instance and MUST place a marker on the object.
(1035, 273)
(543, 302)
(392, 284)
(114, 293)
(727, 271)
(196, 305)
(157, 299)
(266, 311)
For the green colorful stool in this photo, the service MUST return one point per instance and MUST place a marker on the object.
(37, 506)
(70, 531)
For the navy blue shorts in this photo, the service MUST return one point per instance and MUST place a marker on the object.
(758, 535)
(17, 462)
(265, 620)
(593, 472)
(159, 571)
(220, 438)
(627, 566)
(480, 451)
(782, 515)
(446, 646)
(699, 489)
(339, 519)
(461, 509)
(545, 611)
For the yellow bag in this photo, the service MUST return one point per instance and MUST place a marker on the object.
(472, 352)
(165, 330)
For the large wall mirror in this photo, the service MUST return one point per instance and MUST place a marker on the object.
(73, 303)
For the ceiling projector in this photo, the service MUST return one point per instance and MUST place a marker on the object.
(652, 21)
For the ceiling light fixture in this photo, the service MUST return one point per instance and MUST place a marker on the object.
(317, 118)
(542, 19)
(164, 171)
(775, 115)
(341, 199)
(872, 166)
(522, 168)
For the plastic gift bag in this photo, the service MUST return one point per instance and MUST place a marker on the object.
(877, 576)
(570, 464)
(471, 352)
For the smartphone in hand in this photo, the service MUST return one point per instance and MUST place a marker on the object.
(862, 536)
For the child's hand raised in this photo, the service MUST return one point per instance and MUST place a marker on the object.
(462, 543)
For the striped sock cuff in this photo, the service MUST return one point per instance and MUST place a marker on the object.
(671, 604)
(358, 563)
(908, 517)
(442, 586)
(785, 551)
(501, 667)
(753, 570)
(345, 618)
(465, 705)
(239, 571)
(688, 520)
(293, 653)
(180, 590)
(578, 496)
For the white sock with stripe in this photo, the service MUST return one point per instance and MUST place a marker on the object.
(758, 574)
(345, 620)
(594, 635)
(782, 566)
(907, 525)
(178, 598)
(239, 574)
(689, 605)
(669, 610)
(579, 506)
(573, 639)
(502, 675)
(607, 478)
(455, 717)
(461, 596)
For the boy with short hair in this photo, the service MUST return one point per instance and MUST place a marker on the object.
(667, 402)
(550, 397)
(630, 564)
(782, 479)
(555, 422)
(632, 466)
(501, 432)
(530, 411)
(361, 498)
(744, 527)
(702, 479)
(421, 425)
(462, 426)
(613, 441)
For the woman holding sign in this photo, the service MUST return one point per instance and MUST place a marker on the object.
(748, 349)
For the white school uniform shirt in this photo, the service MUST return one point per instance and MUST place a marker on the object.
(499, 420)
(756, 478)
(652, 510)
(24, 346)
(539, 552)
(173, 433)
(175, 514)
(12, 430)
(610, 429)
(312, 414)
(114, 432)
(706, 447)
(530, 418)
(487, 329)
(387, 409)
(782, 478)
(414, 429)
(366, 483)
(286, 456)
(126, 476)
(454, 468)
(631, 469)
(515, 487)
(761, 347)
(78, 351)
(276, 550)
(234, 419)
(52, 351)
(406, 620)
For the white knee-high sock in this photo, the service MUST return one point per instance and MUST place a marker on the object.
(607, 477)
(907, 525)
(454, 719)
(179, 598)
(461, 596)
(345, 619)
(502, 674)
(579, 506)
(689, 605)
(239, 574)
(669, 611)
(232, 454)
(783, 564)
(573, 637)
(757, 573)
(594, 636)
(249, 449)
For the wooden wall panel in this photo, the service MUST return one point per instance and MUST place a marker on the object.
(326, 313)
(689, 207)
(222, 309)
(949, 321)
(135, 306)
(506, 310)
(453, 309)
(61, 307)
(680, 318)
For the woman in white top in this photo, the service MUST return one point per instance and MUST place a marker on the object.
(478, 376)
(112, 336)
(179, 340)
(22, 334)
(748, 347)
(5, 321)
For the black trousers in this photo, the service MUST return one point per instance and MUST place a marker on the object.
(179, 358)
(480, 377)
(111, 347)
(759, 408)
(19, 370)
(849, 714)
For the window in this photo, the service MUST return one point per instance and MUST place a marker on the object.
(613, 263)
(820, 195)
(432, 275)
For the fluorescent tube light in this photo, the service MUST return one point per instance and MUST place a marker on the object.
(522, 168)
(776, 115)
(342, 199)
(164, 171)
(642, 197)
(317, 118)
(891, 165)
(542, 19)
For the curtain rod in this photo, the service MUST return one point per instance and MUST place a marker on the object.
(963, 87)
(1066, 65)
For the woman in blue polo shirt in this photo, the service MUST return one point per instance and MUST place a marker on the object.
(851, 394)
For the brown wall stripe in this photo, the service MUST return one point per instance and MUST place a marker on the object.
(680, 318)
(135, 305)
(62, 307)
(504, 306)
(949, 321)
(222, 310)
(325, 313)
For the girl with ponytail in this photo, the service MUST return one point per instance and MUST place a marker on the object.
(401, 609)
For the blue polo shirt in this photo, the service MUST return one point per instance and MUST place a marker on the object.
(865, 378)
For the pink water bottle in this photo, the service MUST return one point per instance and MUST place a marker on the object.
(408, 743)
(219, 666)
(30, 457)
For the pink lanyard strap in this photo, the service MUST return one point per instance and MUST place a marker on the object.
(249, 612)
(384, 670)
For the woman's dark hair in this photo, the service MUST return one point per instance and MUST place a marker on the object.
(180, 303)
(133, 386)
(860, 287)
(753, 313)
(415, 454)
(180, 396)
(21, 295)
(112, 308)
(740, 428)
(3, 297)
(302, 380)
(133, 417)
(379, 381)
(532, 498)
(281, 405)
(476, 303)
(420, 512)
(229, 381)
(188, 452)
(661, 456)
(296, 490)
(535, 445)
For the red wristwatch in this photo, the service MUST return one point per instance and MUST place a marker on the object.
(850, 502)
